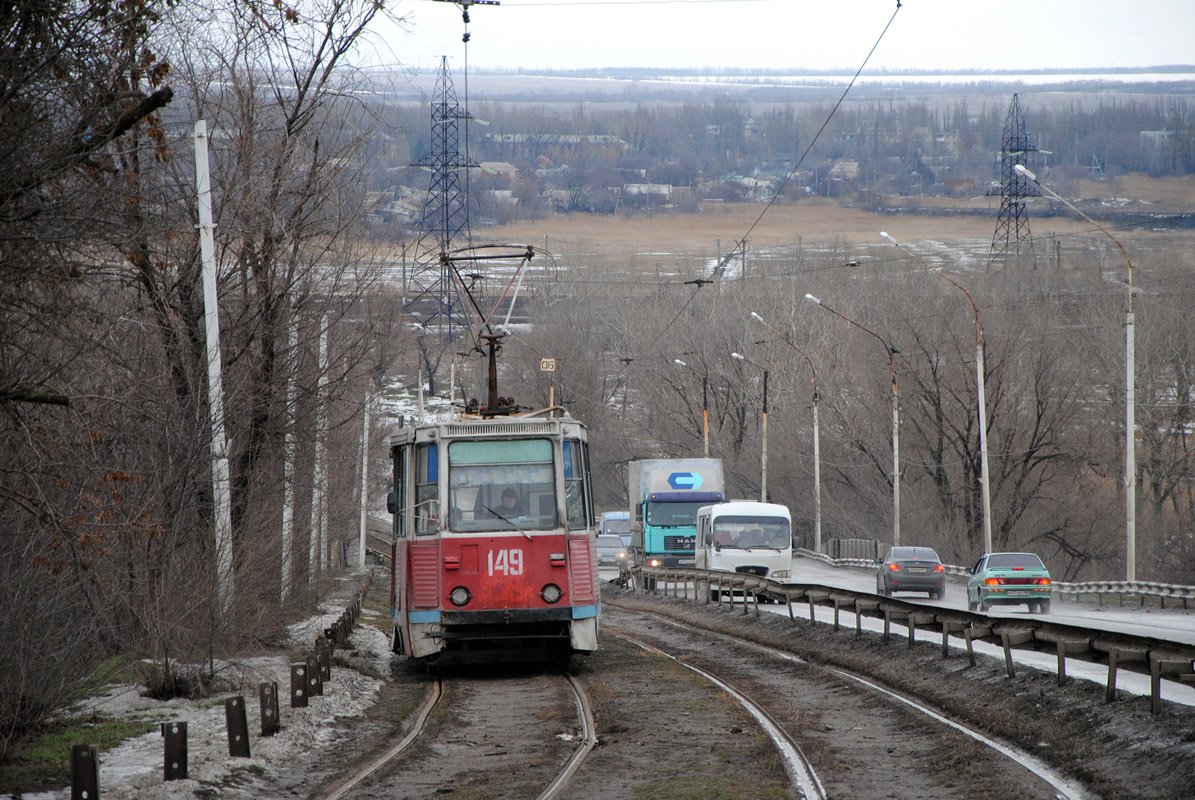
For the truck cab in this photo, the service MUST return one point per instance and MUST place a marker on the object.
(665, 495)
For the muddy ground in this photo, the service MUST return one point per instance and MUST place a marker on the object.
(665, 733)
(1116, 751)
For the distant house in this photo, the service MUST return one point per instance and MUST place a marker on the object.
(656, 189)
(1155, 138)
(844, 171)
(503, 170)
(947, 142)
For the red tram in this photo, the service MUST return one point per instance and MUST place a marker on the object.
(494, 546)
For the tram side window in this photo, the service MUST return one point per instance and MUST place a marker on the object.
(576, 485)
(427, 504)
(400, 493)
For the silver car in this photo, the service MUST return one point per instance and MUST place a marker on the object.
(610, 550)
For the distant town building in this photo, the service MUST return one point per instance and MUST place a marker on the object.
(556, 146)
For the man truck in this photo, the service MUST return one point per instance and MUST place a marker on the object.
(665, 494)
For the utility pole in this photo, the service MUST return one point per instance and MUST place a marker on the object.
(222, 510)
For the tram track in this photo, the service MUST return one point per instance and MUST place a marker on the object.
(799, 768)
(860, 712)
(488, 717)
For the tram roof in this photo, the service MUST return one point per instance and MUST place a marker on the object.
(485, 428)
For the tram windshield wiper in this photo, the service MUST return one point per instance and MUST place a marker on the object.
(507, 521)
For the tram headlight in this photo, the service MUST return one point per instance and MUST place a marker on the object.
(551, 593)
(460, 596)
(655, 562)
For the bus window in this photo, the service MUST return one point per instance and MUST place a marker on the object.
(752, 531)
(427, 504)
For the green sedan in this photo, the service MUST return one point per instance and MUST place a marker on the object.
(1009, 579)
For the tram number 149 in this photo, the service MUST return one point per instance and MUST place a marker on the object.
(506, 562)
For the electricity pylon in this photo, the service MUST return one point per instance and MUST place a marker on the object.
(1012, 240)
(434, 297)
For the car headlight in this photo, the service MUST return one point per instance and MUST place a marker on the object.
(780, 573)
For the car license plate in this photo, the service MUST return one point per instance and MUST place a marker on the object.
(1018, 593)
(918, 570)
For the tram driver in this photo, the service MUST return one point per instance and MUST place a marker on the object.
(510, 504)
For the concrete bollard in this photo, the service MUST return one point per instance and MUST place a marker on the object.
(298, 686)
(267, 694)
(323, 652)
(174, 766)
(315, 677)
(85, 772)
(238, 727)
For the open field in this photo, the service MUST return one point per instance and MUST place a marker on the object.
(822, 221)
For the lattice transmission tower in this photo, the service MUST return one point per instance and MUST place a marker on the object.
(1012, 241)
(435, 299)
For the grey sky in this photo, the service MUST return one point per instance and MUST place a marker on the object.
(798, 34)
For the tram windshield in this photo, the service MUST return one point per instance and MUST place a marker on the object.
(500, 485)
(747, 531)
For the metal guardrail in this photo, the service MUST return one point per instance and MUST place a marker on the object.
(1122, 590)
(1157, 657)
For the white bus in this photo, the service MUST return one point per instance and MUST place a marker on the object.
(746, 537)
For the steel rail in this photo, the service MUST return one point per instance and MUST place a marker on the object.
(1065, 788)
(588, 742)
(799, 769)
(433, 698)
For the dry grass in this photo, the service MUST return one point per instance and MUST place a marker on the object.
(813, 220)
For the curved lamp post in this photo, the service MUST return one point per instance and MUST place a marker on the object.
(817, 456)
(763, 454)
(705, 406)
(895, 416)
(981, 397)
(1130, 390)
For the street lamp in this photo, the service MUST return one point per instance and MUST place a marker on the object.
(817, 456)
(705, 406)
(985, 478)
(763, 453)
(1130, 391)
(895, 417)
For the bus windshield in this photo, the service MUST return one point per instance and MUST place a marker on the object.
(675, 515)
(500, 485)
(746, 532)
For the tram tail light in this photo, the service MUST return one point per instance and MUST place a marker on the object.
(451, 562)
(556, 559)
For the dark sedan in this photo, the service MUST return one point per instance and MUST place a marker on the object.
(911, 569)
